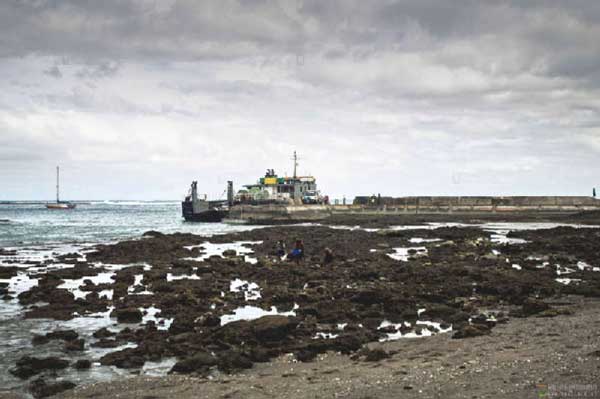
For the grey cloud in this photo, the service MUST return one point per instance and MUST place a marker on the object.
(103, 70)
(54, 71)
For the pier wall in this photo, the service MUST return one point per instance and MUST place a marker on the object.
(277, 213)
(470, 204)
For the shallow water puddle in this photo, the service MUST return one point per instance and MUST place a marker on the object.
(501, 238)
(117, 267)
(43, 254)
(322, 335)
(430, 226)
(418, 240)
(567, 281)
(149, 314)
(131, 290)
(20, 283)
(99, 352)
(425, 332)
(91, 322)
(73, 285)
(585, 266)
(175, 277)
(108, 294)
(560, 270)
(403, 254)
(251, 290)
(252, 312)
(210, 249)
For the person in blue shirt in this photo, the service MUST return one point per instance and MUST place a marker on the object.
(297, 253)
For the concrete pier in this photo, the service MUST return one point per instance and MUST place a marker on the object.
(479, 204)
(278, 213)
(282, 213)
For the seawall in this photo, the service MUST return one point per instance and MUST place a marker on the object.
(450, 204)
(279, 213)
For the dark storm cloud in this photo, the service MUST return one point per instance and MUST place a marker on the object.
(552, 38)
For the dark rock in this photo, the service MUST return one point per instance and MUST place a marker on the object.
(103, 333)
(533, 306)
(127, 315)
(65, 335)
(265, 329)
(376, 355)
(28, 366)
(273, 328)
(471, 330)
(106, 343)
(229, 253)
(199, 362)
(306, 355)
(82, 364)
(7, 252)
(39, 339)
(125, 359)
(233, 360)
(40, 389)
(154, 234)
(7, 272)
(74, 346)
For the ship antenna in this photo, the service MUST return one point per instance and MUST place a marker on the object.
(295, 165)
(57, 186)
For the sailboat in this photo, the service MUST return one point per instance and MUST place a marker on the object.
(60, 204)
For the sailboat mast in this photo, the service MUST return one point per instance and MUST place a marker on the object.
(57, 186)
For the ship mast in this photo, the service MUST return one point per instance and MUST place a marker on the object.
(57, 186)
(295, 164)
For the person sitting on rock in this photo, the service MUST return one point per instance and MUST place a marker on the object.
(280, 250)
(298, 252)
(328, 258)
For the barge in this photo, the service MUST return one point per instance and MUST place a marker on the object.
(196, 209)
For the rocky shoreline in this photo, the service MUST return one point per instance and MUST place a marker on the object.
(524, 358)
(225, 304)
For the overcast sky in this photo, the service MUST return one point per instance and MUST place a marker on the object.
(135, 98)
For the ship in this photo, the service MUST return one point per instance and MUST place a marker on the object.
(60, 205)
(271, 194)
(196, 209)
(274, 189)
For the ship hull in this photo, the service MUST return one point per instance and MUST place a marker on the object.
(205, 216)
(60, 206)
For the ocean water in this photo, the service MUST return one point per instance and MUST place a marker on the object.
(24, 225)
